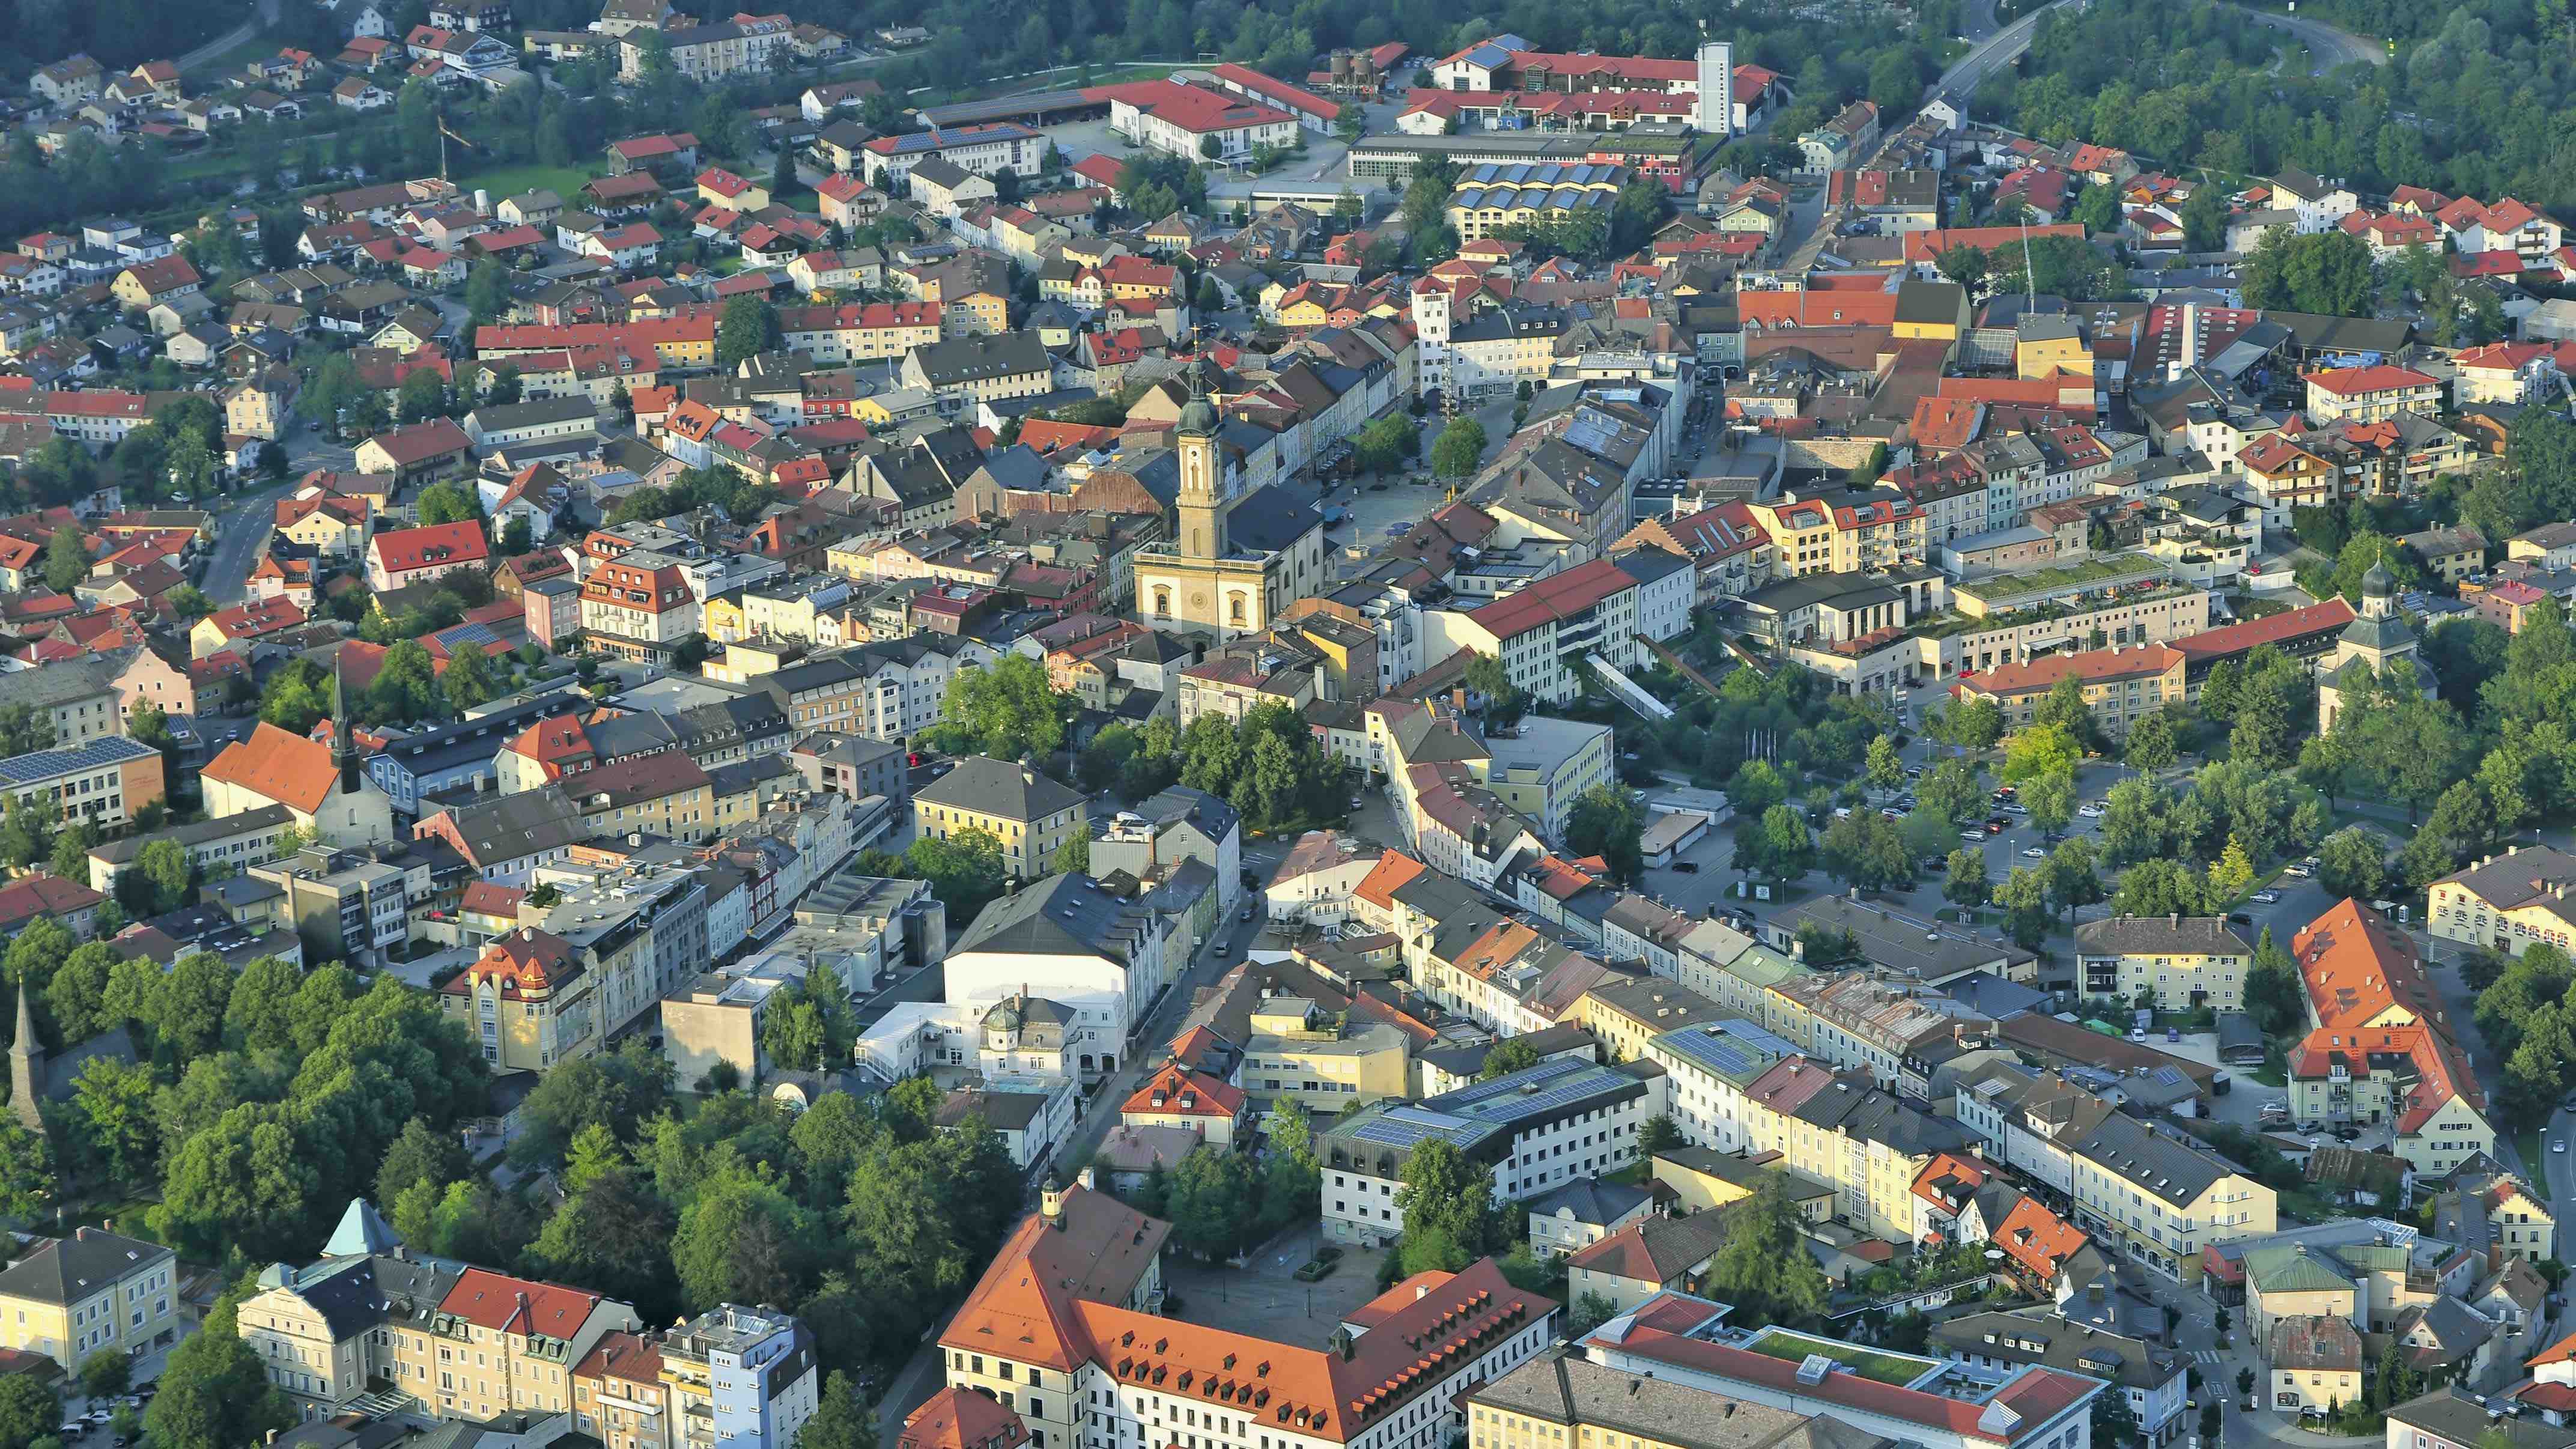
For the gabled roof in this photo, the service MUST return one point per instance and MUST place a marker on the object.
(279, 765)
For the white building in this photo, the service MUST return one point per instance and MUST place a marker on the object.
(754, 1370)
(1065, 939)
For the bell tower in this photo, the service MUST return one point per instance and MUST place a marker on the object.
(1201, 500)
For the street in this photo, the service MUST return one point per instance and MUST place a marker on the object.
(242, 528)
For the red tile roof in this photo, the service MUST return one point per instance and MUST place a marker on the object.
(438, 545)
(2230, 640)
(2361, 381)
(1176, 1091)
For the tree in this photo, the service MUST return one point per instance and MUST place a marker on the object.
(23, 731)
(1885, 768)
(105, 1374)
(2097, 210)
(420, 1153)
(1214, 1203)
(114, 1122)
(1004, 710)
(1867, 851)
(2042, 749)
(2050, 799)
(1505, 702)
(2160, 887)
(964, 870)
(1949, 791)
(26, 1171)
(2115, 1424)
(1448, 1200)
(2024, 897)
(31, 1410)
(2150, 745)
(1660, 1134)
(2352, 864)
(468, 681)
(1512, 1054)
(1963, 264)
(1777, 844)
(840, 1420)
(1975, 724)
(66, 560)
(215, 1392)
(1966, 885)
(2230, 876)
(2073, 875)
(1607, 823)
(741, 1239)
(446, 503)
(1591, 1311)
(1459, 449)
(2204, 219)
(405, 688)
(1764, 1268)
(747, 328)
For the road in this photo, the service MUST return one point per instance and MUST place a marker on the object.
(240, 531)
(1999, 49)
(2331, 47)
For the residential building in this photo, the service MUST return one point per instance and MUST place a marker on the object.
(748, 1374)
(1030, 814)
(102, 783)
(2506, 902)
(1534, 1129)
(2121, 686)
(2183, 963)
(2150, 1376)
(2380, 1047)
(68, 1298)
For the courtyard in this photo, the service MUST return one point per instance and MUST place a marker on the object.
(1263, 1297)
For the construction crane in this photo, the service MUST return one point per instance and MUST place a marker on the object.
(444, 136)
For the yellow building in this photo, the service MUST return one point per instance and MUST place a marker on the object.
(1297, 1053)
(2167, 1200)
(2187, 962)
(2121, 686)
(2047, 346)
(1702, 1178)
(1032, 815)
(1863, 1143)
(1802, 535)
(527, 997)
(71, 1297)
(665, 793)
(2506, 902)
(1625, 1013)
(1491, 198)
(1931, 311)
(1545, 765)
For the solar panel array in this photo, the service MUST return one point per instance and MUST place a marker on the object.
(1403, 1127)
(1733, 1048)
(94, 754)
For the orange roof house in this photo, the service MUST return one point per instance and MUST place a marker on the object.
(2383, 1042)
(956, 1418)
(1179, 1097)
(276, 766)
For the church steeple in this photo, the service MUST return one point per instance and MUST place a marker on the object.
(1201, 500)
(26, 1061)
(344, 739)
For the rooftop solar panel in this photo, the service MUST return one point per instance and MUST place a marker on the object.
(89, 755)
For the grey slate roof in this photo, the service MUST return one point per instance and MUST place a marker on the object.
(69, 1270)
(2160, 936)
(984, 786)
(528, 822)
(1062, 915)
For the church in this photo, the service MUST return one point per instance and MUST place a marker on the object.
(324, 786)
(1237, 563)
(2378, 638)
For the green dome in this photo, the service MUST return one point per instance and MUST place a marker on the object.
(1198, 418)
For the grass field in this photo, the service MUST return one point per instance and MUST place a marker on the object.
(504, 181)
(1885, 1368)
(233, 58)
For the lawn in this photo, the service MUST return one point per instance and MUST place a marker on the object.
(2532, 1148)
(504, 181)
(233, 58)
(1885, 1368)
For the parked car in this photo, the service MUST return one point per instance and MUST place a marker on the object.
(2266, 898)
(1686, 867)
(1993, 829)
(1973, 837)
(2033, 852)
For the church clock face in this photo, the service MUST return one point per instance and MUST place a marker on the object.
(1198, 598)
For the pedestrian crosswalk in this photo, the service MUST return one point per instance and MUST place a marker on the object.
(2206, 1355)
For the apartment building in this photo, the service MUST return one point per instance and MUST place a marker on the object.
(2121, 685)
(1295, 1052)
(1030, 814)
(1534, 1130)
(746, 1376)
(639, 607)
(2506, 902)
(102, 782)
(2165, 1197)
(459, 1342)
(2183, 962)
(2380, 1044)
(67, 1298)
(1863, 1142)
(77, 697)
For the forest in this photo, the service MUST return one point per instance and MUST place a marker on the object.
(2480, 101)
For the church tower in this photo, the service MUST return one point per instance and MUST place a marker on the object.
(1201, 501)
(26, 1064)
(344, 737)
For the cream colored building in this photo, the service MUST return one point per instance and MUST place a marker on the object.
(2506, 902)
(1297, 1054)
(463, 1343)
(71, 1297)
(2314, 1363)
(1029, 813)
(2186, 962)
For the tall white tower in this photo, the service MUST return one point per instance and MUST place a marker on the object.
(1716, 114)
